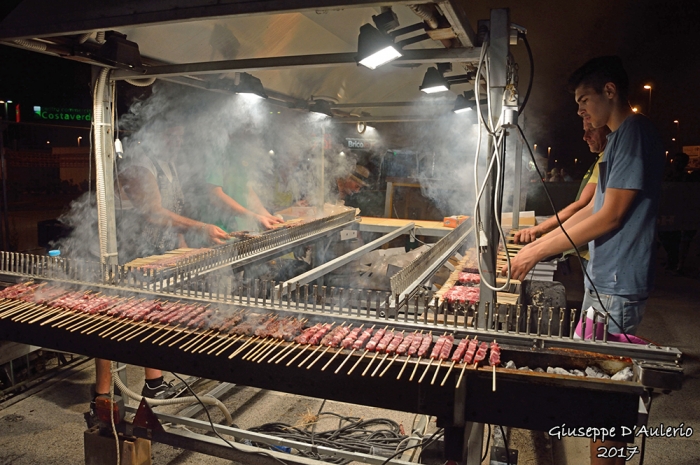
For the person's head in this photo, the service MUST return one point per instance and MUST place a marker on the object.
(554, 172)
(563, 172)
(600, 87)
(680, 161)
(596, 138)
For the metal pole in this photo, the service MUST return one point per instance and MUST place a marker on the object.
(498, 56)
(5, 215)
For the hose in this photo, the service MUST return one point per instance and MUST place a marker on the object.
(209, 400)
(84, 37)
(100, 37)
(141, 82)
(31, 44)
(98, 110)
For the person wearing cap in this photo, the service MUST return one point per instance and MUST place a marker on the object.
(353, 183)
(554, 176)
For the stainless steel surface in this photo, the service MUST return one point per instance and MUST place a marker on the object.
(406, 280)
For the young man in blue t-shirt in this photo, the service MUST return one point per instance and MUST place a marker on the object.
(619, 224)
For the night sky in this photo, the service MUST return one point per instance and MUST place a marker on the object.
(657, 40)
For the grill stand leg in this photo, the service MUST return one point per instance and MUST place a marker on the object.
(464, 443)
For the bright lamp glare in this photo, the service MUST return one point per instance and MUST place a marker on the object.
(381, 57)
(433, 90)
(463, 110)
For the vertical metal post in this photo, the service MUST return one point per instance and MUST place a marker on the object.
(104, 155)
(498, 58)
(5, 216)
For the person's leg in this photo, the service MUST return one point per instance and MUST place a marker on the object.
(152, 373)
(155, 386)
(103, 377)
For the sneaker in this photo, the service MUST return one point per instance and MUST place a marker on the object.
(91, 418)
(165, 390)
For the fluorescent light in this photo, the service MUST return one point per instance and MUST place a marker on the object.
(375, 49)
(462, 110)
(435, 89)
(249, 85)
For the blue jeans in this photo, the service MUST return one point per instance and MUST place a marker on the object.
(625, 310)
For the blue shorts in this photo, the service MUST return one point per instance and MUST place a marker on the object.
(626, 310)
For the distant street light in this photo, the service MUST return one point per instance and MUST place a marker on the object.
(648, 87)
(79, 139)
(635, 109)
(549, 150)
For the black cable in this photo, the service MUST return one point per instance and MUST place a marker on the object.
(206, 410)
(434, 437)
(644, 436)
(505, 443)
(578, 254)
(532, 72)
(488, 440)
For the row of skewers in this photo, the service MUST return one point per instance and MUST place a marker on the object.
(255, 337)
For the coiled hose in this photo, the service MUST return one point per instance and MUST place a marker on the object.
(209, 400)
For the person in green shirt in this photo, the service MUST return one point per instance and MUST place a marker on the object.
(230, 190)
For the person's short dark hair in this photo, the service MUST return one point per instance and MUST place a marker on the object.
(681, 160)
(598, 72)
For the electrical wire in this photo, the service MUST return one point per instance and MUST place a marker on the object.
(213, 427)
(434, 437)
(532, 72)
(561, 225)
(488, 440)
(505, 443)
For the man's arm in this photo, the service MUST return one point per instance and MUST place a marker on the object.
(581, 228)
(142, 189)
(220, 198)
(527, 235)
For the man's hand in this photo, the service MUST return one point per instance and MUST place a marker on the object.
(214, 233)
(527, 235)
(523, 262)
(268, 221)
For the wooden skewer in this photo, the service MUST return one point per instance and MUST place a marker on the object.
(48, 312)
(358, 361)
(437, 368)
(187, 346)
(17, 309)
(184, 332)
(243, 346)
(233, 341)
(271, 349)
(209, 339)
(86, 321)
(283, 354)
(449, 370)
(310, 355)
(345, 360)
(370, 363)
(426, 370)
(77, 316)
(459, 381)
(38, 308)
(403, 367)
(67, 315)
(172, 328)
(137, 328)
(142, 330)
(296, 356)
(118, 324)
(414, 369)
(317, 358)
(213, 342)
(494, 378)
(389, 365)
(125, 329)
(224, 338)
(331, 360)
(258, 347)
(379, 365)
(27, 312)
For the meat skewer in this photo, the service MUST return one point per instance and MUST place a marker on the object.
(382, 342)
(332, 339)
(303, 338)
(347, 341)
(400, 349)
(390, 349)
(422, 350)
(356, 345)
(434, 354)
(411, 349)
(456, 357)
(444, 354)
(468, 356)
(494, 359)
(374, 340)
(314, 341)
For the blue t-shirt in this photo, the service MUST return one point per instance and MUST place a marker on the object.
(622, 261)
